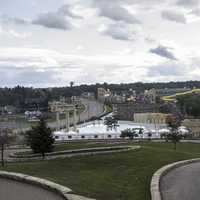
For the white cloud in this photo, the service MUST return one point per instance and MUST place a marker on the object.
(41, 67)
(170, 68)
(67, 10)
(14, 33)
(96, 51)
(174, 15)
(22, 35)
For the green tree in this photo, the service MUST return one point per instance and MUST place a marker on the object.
(149, 136)
(110, 122)
(128, 133)
(40, 138)
(189, 104)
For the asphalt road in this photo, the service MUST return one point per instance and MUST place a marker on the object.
(13, 190)
(182, 183)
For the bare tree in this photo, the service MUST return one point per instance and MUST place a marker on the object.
(174, 135)
(4, 140)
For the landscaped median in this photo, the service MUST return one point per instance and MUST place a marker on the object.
(157, 177)
(70, 153)
(65, 192)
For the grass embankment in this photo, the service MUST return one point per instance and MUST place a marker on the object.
(108, 108)
(82, 145)
(172, 98)
(118, 176)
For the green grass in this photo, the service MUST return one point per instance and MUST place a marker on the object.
(81, 145)
(117, 176)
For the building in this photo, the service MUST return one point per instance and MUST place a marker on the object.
(76, 100)
(152, 118)
(126, 111)
(151, 95)
(115, 99)
(102, 94)
(88, 95)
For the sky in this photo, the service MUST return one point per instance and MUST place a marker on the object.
(49, 43)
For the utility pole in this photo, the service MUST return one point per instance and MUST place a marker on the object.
(2, 155)
(88, 107)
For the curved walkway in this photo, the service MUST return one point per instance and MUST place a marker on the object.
(15, 190)
(182, 183)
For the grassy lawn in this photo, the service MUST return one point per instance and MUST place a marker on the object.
(117, 176)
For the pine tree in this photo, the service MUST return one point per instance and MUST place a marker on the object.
(40, 138)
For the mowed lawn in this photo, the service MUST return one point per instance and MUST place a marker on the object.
(117, 176)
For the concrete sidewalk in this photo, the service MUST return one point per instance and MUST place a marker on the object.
(14, 190)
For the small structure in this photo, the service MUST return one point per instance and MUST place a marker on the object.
(193, 125)
(62, 107)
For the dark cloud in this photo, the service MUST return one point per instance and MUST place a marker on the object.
(163, 52)
(115, 11)
(188, 3)
(119, 31)
(61, 19)
(196, 12)
(53, 20)
(173, 15)
(16, 20)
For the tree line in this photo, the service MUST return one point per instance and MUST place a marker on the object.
(19, 96)
(190, 104)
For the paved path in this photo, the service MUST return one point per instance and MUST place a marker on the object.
(182, 183)
(14, 190)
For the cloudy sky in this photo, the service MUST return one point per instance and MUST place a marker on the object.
(52, 42)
